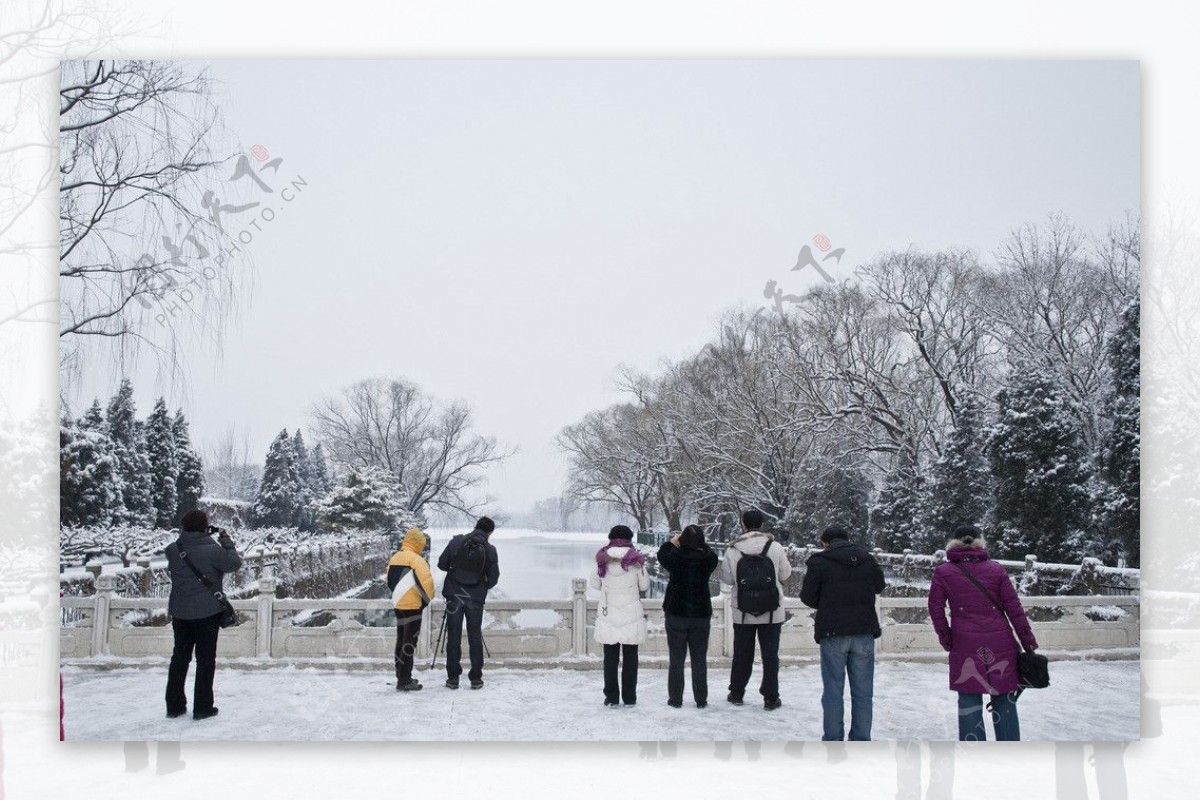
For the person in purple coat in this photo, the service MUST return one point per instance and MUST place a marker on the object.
(983, 652)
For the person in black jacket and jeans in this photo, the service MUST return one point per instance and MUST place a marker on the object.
(841, 583)
(195, 612)
(687, 607)
(465, 589)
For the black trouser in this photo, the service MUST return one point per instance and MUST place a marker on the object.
(626, 689)
(743, 658)
(199, 635)
(408, 628)
(455, 612)
(684, 635)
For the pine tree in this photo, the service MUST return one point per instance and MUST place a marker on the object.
(189, 483)
(164, 469)
(279, 491)
(900, 516)
(962, 478)
(318, 473)
(1121, 448)
(831, 495)
(305, 502)
(133, 466)
(89, 484)
(1040, 469)
(366, 500)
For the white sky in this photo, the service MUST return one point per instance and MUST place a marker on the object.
(509, 232)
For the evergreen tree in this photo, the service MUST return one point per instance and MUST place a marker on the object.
(1121, 448)
(900, 516)
(1040, 469)
(962, 478)
(279, 491)
(164, 469)
(133, 467)
(89, 484)
(306, 499)
(189, 483)
(318, 472)
(365, 500)
(831, 495)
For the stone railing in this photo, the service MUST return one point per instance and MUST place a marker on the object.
(543, 632)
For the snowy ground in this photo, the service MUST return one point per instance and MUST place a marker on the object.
(1087, 701)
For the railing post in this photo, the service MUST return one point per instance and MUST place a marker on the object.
(425, 638)
(727, 605)
(106, 587)
(264, 619)
(144, 577)
(579, 617)
(906, 569)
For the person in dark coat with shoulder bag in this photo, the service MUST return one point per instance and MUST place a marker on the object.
(984, 612)
(195, 611)
(841, 582)
(687, 607)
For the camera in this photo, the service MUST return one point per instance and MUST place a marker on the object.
(217, 531)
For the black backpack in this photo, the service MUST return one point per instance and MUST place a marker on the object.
(470, 563)
(757, 592)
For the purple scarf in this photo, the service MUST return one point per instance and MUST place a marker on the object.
(632, 557)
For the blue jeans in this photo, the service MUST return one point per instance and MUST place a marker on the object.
(852, 654)
(1004, 717)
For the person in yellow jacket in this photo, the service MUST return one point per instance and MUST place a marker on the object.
(411, 583)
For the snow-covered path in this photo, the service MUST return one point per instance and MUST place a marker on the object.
(1087, 701)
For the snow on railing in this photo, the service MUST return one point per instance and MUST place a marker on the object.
(521, 632)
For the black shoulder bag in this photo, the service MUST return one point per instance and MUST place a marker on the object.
(229, 615)
(1033, 669)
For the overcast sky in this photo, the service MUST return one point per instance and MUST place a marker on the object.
(508, 233)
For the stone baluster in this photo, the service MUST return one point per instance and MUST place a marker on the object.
(145, 577)
(106, 588)
(265, 616)
(579, 616)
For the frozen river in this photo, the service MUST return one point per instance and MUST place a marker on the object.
(534, 565)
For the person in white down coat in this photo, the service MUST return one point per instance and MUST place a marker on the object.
(620, 619)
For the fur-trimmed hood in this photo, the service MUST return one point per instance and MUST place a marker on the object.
(976, 542)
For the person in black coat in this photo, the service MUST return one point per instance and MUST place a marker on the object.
(466, 591)
(687, 606)
(195, 612)
(841, 582)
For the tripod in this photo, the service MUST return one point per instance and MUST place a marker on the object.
(441, 639)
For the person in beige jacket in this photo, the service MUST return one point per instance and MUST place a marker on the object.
(758, 611)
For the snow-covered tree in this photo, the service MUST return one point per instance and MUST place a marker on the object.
(962, 479)
(900, 516)
(189, 482)
(133, 466)
(279, 492)
(89, 484)
(164, 470)
(366, 499)
(1040, 469)
(1121, 448)
(318, 472)
(832, 495)
(305, 498)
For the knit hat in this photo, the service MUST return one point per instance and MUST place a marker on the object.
(620, 533)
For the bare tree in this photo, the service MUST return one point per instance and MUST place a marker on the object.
(432, 453)
(230, 470)
(607, 464)
(142, 252)
(1055, 301)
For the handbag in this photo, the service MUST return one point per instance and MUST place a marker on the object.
(1033, 669)
(229, 615)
